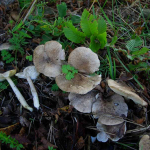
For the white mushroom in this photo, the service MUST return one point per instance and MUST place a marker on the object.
(47, 58)
(21, 99)
(144, 143)
(125, 91)
(84, 59)
(80, 84)
(31, 73)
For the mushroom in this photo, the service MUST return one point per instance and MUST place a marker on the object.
(47, 58)
(31, 73)
(144, 143)
(21, 99)
(84, 102)
(113, 132)
(84, 60)
(110, 110)
(125, 91)
(80, 84)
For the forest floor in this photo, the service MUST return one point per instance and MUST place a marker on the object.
(122, 46)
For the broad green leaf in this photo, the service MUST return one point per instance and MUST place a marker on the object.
(62, 9)
(75, 19)
(54, 87)
(94, 43)
(103, 40)
(73, 34)
(64, 69)
(69, 76)
(133, 44)
(88, 24)
(137, 66)
(29, 58)
(141, 51)
(102, 27)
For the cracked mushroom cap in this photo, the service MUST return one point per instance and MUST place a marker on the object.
(84, 60)
(125, 91)
(7, 74)
(111, 110)
(80, 84)
(47, 58)
(84, 102)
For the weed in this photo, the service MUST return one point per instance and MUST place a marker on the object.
(29, 58)
(13, 143)
(6, 56)
(55, 87)
(51, 148)
(94, 29)
(69, 71)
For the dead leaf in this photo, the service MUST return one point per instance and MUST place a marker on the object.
(80, 143)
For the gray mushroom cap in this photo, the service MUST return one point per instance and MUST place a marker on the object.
(80, 84)
(113, 132)
(84, 60)
(111, 110)
(84, 102)
(48, 58)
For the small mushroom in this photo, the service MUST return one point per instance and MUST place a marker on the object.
(48, 58)
(125, 91)
(80, 84)
(84, 102)
(144, 143)
(21, 99)
(113, 132)
(31, 73)
(84, 60)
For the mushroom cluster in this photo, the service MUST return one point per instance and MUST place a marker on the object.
(49, 58)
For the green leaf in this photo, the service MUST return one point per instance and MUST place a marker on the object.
(141, 51)
(69, 76)
(114, 40)
(102, 27)
(75, 19)
(54, 87)
(62, 9)
(73, 34)
(133, 44)
(64, 69)
(88, 24)
(94, 43)
(138, 66)
(103, 40)
(29, 58)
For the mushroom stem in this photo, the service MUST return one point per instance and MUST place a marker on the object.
(18, 94)
(34, 92)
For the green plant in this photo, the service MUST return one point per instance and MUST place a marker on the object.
(54, 87)
(6, 56)
(51, 148)
(3, 85)
(93, 28)
(24, 3)
(13, 143)
(112, 66)
(69, 71)
(29, 57)
(62, 9)
(133, 49)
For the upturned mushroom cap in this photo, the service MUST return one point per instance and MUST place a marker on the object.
(84, 60)
(110, 110)
(28, 71)
(114, 132)
(7, 74)
(80, 84)
(144, 143)
(84, 102)
(47, 58)
(125, 91)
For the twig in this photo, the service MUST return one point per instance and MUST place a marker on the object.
(29, 11)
